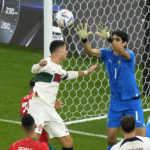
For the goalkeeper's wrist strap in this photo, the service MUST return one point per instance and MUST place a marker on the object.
(84, 40)
(110, 40)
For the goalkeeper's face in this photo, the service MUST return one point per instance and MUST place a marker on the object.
(117, 41)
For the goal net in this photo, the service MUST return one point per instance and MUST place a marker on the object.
(87, 98)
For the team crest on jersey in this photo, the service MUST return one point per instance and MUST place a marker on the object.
(119, 62)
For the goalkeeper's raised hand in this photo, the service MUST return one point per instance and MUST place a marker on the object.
(103, 32)
(82, 32)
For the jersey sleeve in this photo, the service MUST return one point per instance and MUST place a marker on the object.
(25, 104)
(104, 52)
(36, 68)
(21, 107)
(132, 55)
(64, 74)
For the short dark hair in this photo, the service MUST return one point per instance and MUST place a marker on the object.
(55, 45)
(27, 122)
(32, 83)
(121, 34)
(127, 124)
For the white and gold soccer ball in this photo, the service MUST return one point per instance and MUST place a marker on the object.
(64, 18)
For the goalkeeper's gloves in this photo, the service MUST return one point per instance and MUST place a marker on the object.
(103, 32)
(82, 32)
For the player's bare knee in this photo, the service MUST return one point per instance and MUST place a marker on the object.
(68, 142)
(111, 140)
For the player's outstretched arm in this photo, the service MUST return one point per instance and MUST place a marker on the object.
(75, 74)
(83, 34)
(36, 67)
(88, 71)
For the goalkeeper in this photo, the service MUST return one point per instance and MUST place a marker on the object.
(119, 63)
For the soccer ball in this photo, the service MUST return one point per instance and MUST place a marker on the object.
(64, 18)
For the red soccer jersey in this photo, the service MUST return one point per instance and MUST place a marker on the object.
(25, 104)
(24, 109)
(28, 144)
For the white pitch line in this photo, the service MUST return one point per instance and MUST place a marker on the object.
(72, 131)
(10, 121)
(91, 134)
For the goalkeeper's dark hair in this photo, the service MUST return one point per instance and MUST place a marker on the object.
(121, 34)
(32, 83)
(127, 124)
(28, 122)
(55, 45)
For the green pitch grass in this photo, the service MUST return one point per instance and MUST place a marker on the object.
(15, 73)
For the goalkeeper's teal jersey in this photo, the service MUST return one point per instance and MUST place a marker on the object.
(121, 75)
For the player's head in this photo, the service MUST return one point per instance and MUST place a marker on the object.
(28, 123)
(32, 83)
(127, 124)
(59, 47)
(120, 36)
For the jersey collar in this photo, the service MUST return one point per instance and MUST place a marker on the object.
(130, 140)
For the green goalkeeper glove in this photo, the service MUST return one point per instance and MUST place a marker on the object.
(82, 32)
(103, 32)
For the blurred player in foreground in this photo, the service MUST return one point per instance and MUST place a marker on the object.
(48, 74)
(29, 142)
(131, 141)
(24, 110)
(119, 63)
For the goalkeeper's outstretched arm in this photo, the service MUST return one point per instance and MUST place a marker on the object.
(83, 34)
(91, 51)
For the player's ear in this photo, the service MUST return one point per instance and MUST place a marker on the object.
(35, 126)
(59, 50)
(124, 44)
